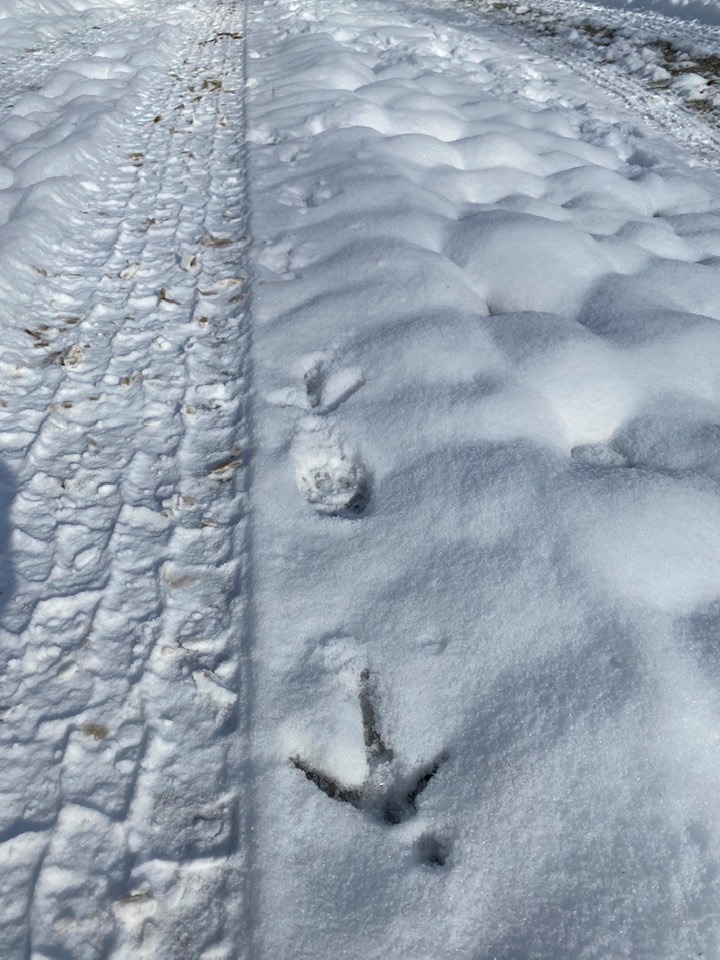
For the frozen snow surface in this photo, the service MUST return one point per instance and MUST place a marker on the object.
(360, 484)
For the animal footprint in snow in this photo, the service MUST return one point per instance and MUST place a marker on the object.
(326, 389)
(598, 455)
(387, 794)
(314, 380)
(329, 473)
(433, 851)
(323, 388)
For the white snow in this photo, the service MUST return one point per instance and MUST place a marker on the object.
(528, 282)
(702, 11)
(360, 504)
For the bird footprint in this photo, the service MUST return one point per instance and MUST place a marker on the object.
(387, 794)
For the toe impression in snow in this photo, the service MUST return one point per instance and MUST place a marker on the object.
(387, 794)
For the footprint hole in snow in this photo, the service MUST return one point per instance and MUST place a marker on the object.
(598, 455)
(325, 389)
(334, 481)
(336, 494)
(388, 794)
(433, 851)
(314, 378)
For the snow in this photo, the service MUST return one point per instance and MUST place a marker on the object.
(632, 55)
(360, 424)
(525, 300)
(702, 11)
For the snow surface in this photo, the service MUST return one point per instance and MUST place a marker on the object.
(702, 11)
(360, 424)
(640, 58)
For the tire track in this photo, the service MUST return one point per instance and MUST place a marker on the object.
(128, 436)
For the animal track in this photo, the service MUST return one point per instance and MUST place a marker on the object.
(329, 473)
(386, 795)
(325, 389)
(314, 380)
(598, 455)
(433, 851)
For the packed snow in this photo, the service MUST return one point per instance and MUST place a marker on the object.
(360, 432)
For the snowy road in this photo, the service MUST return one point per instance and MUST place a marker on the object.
(649, 63)
(360, 499)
